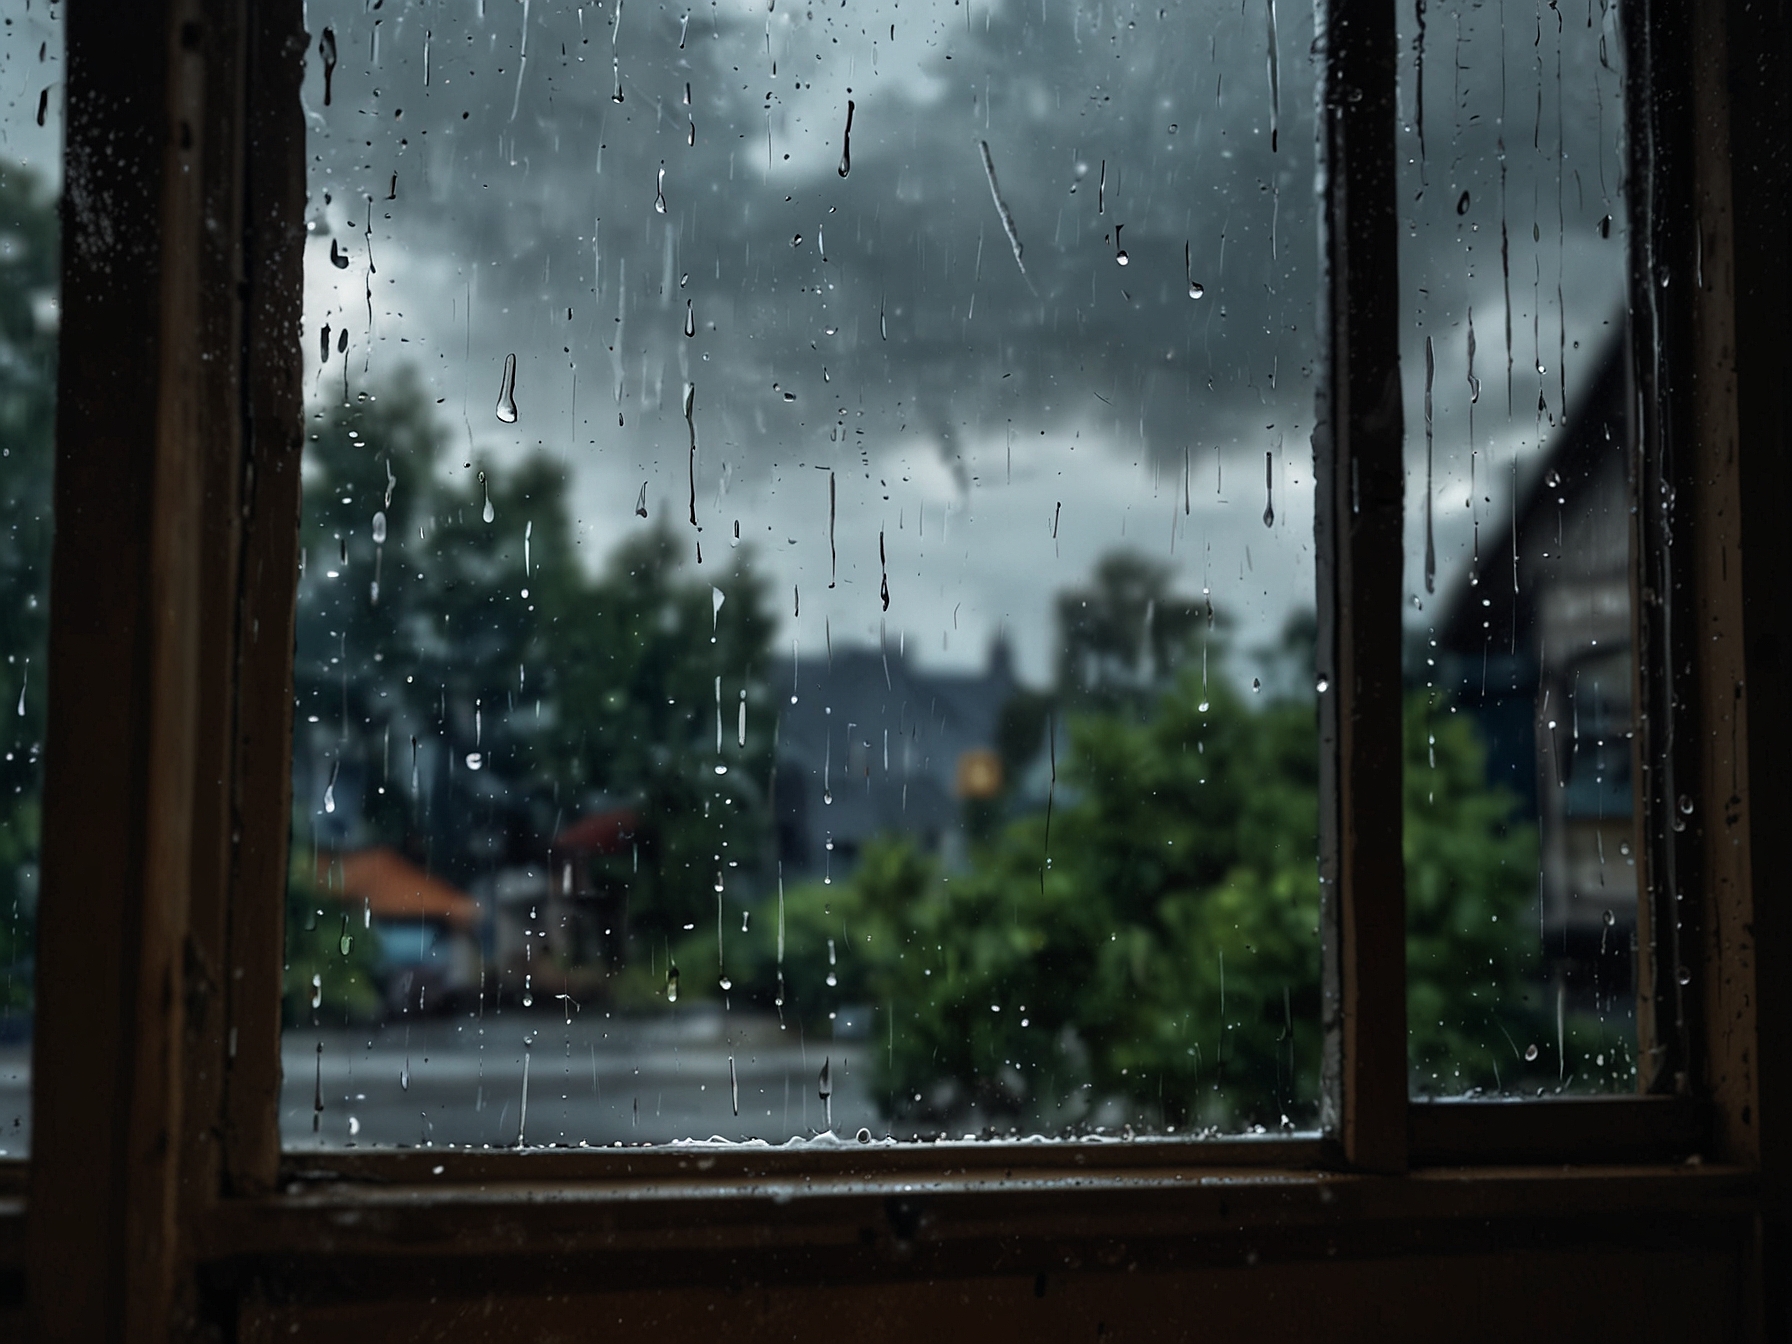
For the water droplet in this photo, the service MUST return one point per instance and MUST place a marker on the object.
(379, 529)
(1462, 204)
(659, 190)
(846, 142)
(690, 319)
(1530, 1051)
(1323, 684)
(474, 760)
(726, 983)
(338, 258)
(1686, 804)
(1196, 289)
(672, 984)
(326, 48)
(1685, 976)
(507, 391)
(641, 501)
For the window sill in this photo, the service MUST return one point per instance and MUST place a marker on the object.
(346, 1241)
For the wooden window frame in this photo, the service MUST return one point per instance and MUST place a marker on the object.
(157, 1198)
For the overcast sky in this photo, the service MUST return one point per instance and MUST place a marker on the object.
(1000, 429)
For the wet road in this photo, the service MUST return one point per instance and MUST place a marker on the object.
(691, 1075)
(537, 1079)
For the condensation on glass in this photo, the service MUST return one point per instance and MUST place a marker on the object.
(31, 67)
(1521, 819)
(806, 614)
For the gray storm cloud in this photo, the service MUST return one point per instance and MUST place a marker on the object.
(581, 185)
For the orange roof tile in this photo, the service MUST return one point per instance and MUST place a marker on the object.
(393, 887)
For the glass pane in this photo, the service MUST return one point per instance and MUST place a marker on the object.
(1520, 817)
(30, 179)
(807, 615)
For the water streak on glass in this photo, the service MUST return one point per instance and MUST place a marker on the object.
(31, 73)
(806, 623)
(1521, 823)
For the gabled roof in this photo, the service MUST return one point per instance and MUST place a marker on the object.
(605, 832)
(1565, 476)
(393, 887)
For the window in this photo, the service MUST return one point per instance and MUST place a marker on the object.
(28, 278)
(170, 710)
(821, 591)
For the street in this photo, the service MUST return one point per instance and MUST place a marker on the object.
(698, 1074)
(535, 1079)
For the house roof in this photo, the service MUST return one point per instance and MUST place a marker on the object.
(393, 887)
(605, 832)
(1566, 475)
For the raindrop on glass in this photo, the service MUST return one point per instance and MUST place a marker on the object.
(846, 142)
(507, 392)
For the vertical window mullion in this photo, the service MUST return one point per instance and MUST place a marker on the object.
(273, 192)
(1358, 444)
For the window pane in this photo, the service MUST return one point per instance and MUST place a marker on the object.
(807, 608)
(30, 178)
(1520, 817)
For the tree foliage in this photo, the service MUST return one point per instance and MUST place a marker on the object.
(1157, 941)
(468, 683)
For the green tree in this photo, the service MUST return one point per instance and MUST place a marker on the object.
(330, 957)
(467, 685)
(656, 668)
(1160, 943)
(1473, 963)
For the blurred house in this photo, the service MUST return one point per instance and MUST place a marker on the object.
(426, 930)
(874, 745)
(1536, 643)
(588, 917)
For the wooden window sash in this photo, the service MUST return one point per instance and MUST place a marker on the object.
(160, 947)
